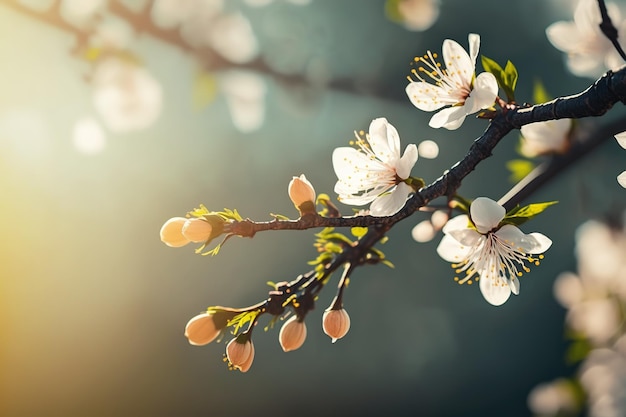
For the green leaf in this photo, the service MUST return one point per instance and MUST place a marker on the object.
(519, 168)
(204, 89)
(506, 78)
(540, 94)
(519, 215)
(279, 216)
(358, 232)
(241, 319)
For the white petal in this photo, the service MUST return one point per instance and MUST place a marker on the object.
(451, 118)
(621, 179)
(474, 46)
(466, 237)
(389, 204)
(522, 242)
(406, 163)
(451, 250)
(563, 35)
(495, 290)
(458, 63)
(343, 160)
(456, 223)
(543, 242)
(486, 214)
(384, 140)
(484, 93)
(621, 139)
(428, 97)
(514, 284)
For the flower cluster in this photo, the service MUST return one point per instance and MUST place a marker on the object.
(490, 251)
(595, 298)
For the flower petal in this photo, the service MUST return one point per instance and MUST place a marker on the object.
(466, 237)
(406, 163)
(456, 223)
(514, 284)
(564, 36)
(474, 46)
(389, 204)
(451, 250)
(451, 118)
(494, 289)
(484, 93)
(428, 97)
(458, 63)
(621, 179)
(384, 140)
(621, 139)
(520, 241)
(543, 243)
(486, 214)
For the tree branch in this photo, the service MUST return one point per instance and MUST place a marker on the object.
(609, 30)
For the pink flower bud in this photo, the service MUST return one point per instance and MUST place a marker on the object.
(197, 230)
(302, 194)
(336, 323)
(201, 329)
(172, 232)
(292, 334)
(240, 353)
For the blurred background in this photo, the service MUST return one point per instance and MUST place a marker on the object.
(117, 115)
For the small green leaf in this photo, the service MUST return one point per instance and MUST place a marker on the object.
(358, 232)
(519, 168)
(506, 78)
(510, 75)
(540, 94)
(204, 89)
(519, 215)
(279, 216)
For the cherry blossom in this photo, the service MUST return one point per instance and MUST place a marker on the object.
(492, 253)
(456, 88)
(375, 172)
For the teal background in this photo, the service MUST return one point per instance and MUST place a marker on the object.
(93, 305)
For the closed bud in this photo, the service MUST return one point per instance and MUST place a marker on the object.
(292, 334)
(302, 194)
(197, 230)
(247, 364)
(240, 352)
(172, 232)
(202, 329)
(336, 323)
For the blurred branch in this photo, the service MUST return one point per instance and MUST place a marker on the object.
(142, 23)
(609, 30)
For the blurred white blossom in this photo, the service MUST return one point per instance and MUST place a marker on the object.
(553, 398)
(544, 138)
(589, 51)
(80, 11)
(126, 96)
(428, 149)
(233, 38)
(418, 15)
(245, 95)
(88, 136)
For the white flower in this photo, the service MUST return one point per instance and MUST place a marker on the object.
(126, 96)
(589, 51)
(483, 248)
(455, 86)
(621, 139)
(245, 96)
(419, 15)
(375, 172)
(547, 137)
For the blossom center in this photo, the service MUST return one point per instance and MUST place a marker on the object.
(453, 80)
(496, 259)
